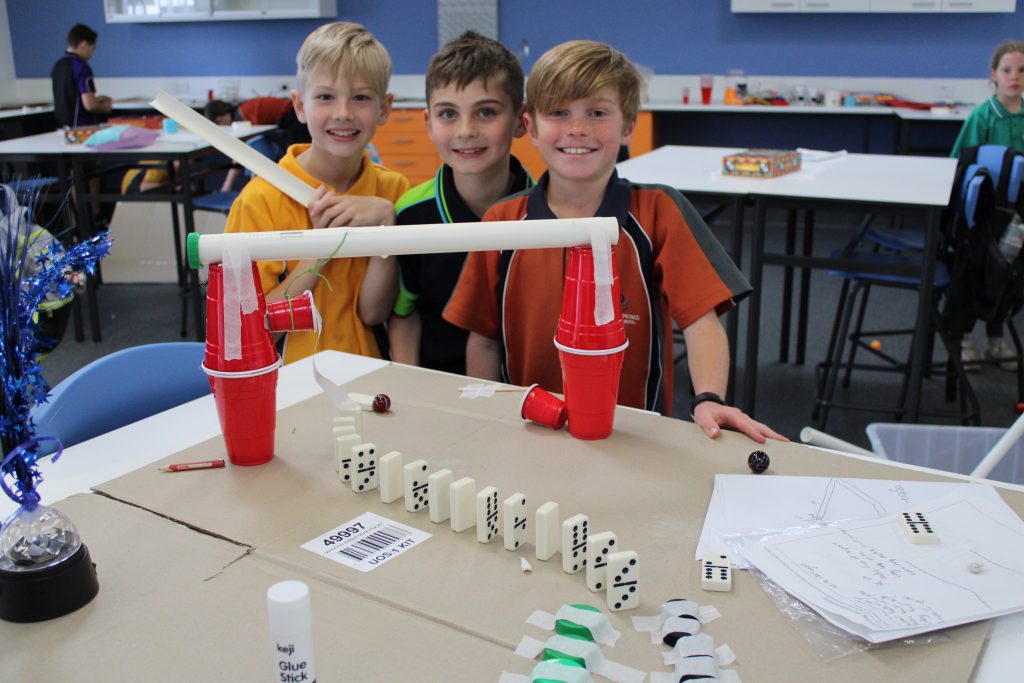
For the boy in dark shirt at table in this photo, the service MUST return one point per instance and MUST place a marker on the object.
(75, 102)
(474, 110)
(582, 103)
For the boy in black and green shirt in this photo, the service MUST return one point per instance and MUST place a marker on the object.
(474, 111)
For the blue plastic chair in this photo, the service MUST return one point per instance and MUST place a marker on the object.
(121, 388)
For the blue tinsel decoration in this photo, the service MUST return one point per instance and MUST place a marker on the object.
(26, 279)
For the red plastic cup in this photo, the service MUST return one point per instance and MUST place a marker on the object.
(258, 349)
(247, 408)
(291, 315)
(576, 325)
(591, 384)
(706, 82)
(542, 407)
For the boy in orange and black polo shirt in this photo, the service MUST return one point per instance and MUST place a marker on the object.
(582, 104)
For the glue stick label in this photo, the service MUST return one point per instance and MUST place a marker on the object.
(294, 659)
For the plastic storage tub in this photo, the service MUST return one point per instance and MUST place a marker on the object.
(945, 447)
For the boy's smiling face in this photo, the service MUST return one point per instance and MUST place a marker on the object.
(342, 113)
(472, 128)
(579, 140)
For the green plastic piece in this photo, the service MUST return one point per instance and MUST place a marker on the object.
(550, 654)
(192, 248)
(564, 627)
(573, 663)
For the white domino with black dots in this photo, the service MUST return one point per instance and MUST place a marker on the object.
(513, 530)
(364, 465)
(343, 445)
(623, 580)
(599, 546)
(462, 500)
(917, 528)
(547, 530)
(487, 514)
(715, 572)
(574, 543)
(416, 485)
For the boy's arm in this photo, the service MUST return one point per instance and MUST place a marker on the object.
(404, 336)
(707, 350)
(97, 104)
(378, 290)
(483, 358)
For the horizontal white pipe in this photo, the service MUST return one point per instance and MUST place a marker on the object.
(813, 437)
(1002, 447)
(406, 239)
(233, 147)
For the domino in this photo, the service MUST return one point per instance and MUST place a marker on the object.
(439, 499)
(391, 477)
(513, 529)
(364, 466)
(623, 580)
(599, 546)
(462, 498)
(364, 401)
(350, 415)
(416, 485)
(574, 543)
(917, 528)
(547, 523)
(343, 446)
(344, 430)
(716, 572)
(487, 514)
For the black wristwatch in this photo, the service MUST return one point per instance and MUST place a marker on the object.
(702, 397)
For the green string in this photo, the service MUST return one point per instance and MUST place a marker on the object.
(313, 270)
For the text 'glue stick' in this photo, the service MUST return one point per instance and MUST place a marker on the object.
(291, 632)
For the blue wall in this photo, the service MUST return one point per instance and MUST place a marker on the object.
(672, 36)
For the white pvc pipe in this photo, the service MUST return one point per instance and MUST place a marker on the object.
(1002, 447)
(233, 147)
(813, 437)
(403, 239)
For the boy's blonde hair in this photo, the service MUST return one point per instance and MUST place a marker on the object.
(472, 56)
(578, 69)
(1004, 49)
(345, 48)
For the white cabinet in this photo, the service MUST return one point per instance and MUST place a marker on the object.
(905, 6)
(879, 6)
(129, 11)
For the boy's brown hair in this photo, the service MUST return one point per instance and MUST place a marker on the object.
(578, 69)
(346, 48)
(1004, 49)
(472, 56)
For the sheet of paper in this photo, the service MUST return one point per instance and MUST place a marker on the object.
(812, 155)
(366, 542)
(751, 501)
(867, 578)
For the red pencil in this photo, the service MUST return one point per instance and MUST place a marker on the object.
(200, 465)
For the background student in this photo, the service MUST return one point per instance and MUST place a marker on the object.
(474, 111)
(75, 102)
(343, 75)
(999, 120)
(581, 106)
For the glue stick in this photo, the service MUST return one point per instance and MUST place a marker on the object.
(291, 632)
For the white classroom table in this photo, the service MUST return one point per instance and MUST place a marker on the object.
(82, 161)
(863, 183)
(124, 450)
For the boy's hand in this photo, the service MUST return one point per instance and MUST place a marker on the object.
(331, 210)
(711, 417)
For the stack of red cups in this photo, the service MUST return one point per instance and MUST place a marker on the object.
(245, 388)
(591, 355)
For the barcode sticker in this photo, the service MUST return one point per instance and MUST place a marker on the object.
(366, 542)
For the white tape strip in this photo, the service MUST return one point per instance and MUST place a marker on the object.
(697, 666)
(239, 296)
(478, 390)
(595, 622)
(604, 310)
(686, 625)
(725, 654)
(693, 646)
(233, 147)
(584, 650)
(553, 671)
(708, 613)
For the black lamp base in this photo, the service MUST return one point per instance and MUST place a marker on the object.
(43, 594)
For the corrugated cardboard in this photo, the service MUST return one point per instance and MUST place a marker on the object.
(649, 483)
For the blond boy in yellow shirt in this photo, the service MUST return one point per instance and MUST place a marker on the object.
(343, 75)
